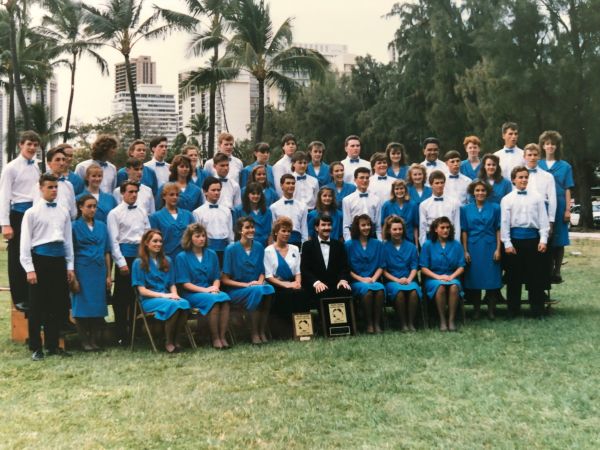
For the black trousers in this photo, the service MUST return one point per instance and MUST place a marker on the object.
(19, 289)
(529, 267)
(122, 300)
(47, 300)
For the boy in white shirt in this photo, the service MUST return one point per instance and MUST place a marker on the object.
(56, 159)
(47, 258)
(510, 155)
(437, 205)
(431, 150)
(307, 187)
(352, 147)
(456, 183)
(226, 145)
(284, 165)
(361, 202)
(380, 183)
(159, 148)
(540, 181)
(294, 209)
(145, 199)
(230, 190)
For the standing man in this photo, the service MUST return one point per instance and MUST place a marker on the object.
(159, 147)
(431, 150)
(361, 202)
(226, 146)
(510, 155)
(137, 150)
(353, 146)
(72, 177)
(284, 165)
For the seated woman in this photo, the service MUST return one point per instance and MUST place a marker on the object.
(401, 262)
(480, 230)
(282, 270)
(254, 205)
(171, 220)
(442, 262)
(91, 248)
(244, 277)
(400, 205)
(154, 277)
(198, 273)
(325, 206)
(366, 266)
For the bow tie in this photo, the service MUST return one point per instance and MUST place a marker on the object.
(438, 199)
(532, 170)
(51, 204)
(213, 206)
(288, 202)
(382, 178)
(326, 243)
(131, 206)
(223, 180)
(354, 160)
(509, 150)
(522, 192)
(30, 162)
(102, 163)
(160, 163)
(366, 194)
(301, 177)
(431, 164)
(62, 179)
(452, 176)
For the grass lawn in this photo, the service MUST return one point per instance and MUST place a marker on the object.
(523, 384)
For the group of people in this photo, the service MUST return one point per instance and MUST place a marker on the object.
(275, 238)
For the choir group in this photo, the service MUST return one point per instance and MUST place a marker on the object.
(274, 239)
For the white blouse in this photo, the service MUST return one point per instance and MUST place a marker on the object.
(271, 261)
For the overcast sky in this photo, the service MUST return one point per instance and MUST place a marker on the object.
(359, 24)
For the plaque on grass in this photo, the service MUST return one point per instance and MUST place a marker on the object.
(303, 326)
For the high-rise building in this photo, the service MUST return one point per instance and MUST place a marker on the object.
(143, 71)
(156, 110)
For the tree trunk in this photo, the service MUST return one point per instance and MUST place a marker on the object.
(584, 171)
(212, 106)
(71, 96)
(260, 114)
(12, 37)
(134, 110)
(11, 140)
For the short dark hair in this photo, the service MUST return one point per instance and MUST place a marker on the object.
(126, 183)
(50, 154)
(474, 184)
(81, 201)
(133, 163)
(509, 126)
(299, 156)
(29, 135)
(433, 235)
(377, 157)
(431, 140)
(133, 144)
(354, 228)
(208, 181)
(219, 158)
(436, 175)
(288, 137)
(286, 176)
(555, 138)
(47, 177)
(516, 170)
(451, 154)
(352, 137)
(322, 218)
(262, 147)
(360, 170)
(157, 140)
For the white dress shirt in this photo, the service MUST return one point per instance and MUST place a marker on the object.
(431, 166)
(509, 159)
(235, 167)
(431, 209)
(145, 198)
(350, 165)
(325, 249)
(523, 211)
(125, 226)
(272, 263)
(109, 177)
(43, 224)
(65, 196)
(280, 168)
(217, 221)
(457, 187)
(381, 187)
(543, 183)
(17, 182)
(296, 210)
(230, 193)
(161, 169)
(359, 203)
(307, 188)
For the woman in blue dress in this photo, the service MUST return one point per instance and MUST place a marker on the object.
(401, 205)
(470, 166)
(491, 173)
(442, 262)
(254, 205)
(395, 154)
(551, 142)
(417, 191)
(93, 180)
(366, 266)
(198, 173)
(171, 220)
(259, 175)
(316, 167)
(325, 205)
(198, 273)
(244, 278)
(190, 195)
(480, 236)
(153, 275)
(91, 248)
(340, 188)
(401, 262)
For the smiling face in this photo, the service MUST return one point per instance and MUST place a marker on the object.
(417, 177)
(362, 181)
(154, 243)
(316, 154)
(480, 193)
(29, 148)
(549, 148)
(247, 230)
(326, 197)
(338, 173)
(380, 168)
(521, 179)
(472, 150)
(283, 235)
(395, 156)
(260, 175)
(254, 197)
(94, 177)
(490, 167)
(431, 152)
(397, 232)
(400, 191)
(364, 227)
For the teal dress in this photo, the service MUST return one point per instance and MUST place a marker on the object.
(416, 197)
(467, 169)
(171, 229)
(158, 281)
(563, 180)
(400, 262)
(441, 261)
(400, 175)
(409, 212)
(364, 262)
(89, 248)
(262, 222)
(324, 178)
(106, 203)
(190, 199)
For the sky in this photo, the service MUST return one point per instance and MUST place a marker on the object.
(359, 24)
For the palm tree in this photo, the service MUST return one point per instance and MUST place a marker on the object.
(119, 26)
(199, 125)
(266, 55)
(64, 26)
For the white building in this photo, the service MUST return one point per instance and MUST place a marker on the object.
(157, 111)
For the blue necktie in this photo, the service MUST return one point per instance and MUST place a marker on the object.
(131, 206)
(366, 194)
(430, 164)
(354, 161)
(509, 150)
(532, 170)
(51, 204)
(288, 202)
(213, 206)
(223, 180)
(382, 178)
(301, 177)
(30, 162)
(452, 176)
(102, 163)
(438, 199)
(160, 164)
(522, 192)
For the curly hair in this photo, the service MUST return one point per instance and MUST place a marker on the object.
(432, 228)
(102, 146)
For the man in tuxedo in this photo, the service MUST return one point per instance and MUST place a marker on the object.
(324, 264)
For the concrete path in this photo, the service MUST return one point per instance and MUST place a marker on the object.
(581, 235)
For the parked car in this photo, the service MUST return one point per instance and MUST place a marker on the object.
(576, 214)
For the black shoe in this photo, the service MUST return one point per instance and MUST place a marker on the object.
(556, 279)
(59, 352)
(38, 355)
(22, 307)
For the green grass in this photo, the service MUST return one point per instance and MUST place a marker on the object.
(518, 384)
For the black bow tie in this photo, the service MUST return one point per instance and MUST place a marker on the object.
(326, 243)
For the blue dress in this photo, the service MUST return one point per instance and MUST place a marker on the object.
(401, 175)
(467, 170)
(364, 262)
(400, 262)
(244, 268)
(336, 223)
(171, 229)
(409, 212)
(340, 195)
(415, 197)
(271, 195)
(190, 199)
(499, 190)
(201, 175)
(202, 274)
(563, 180)
(158, 281)
(106, 203)
(148, 178)
(77, 182)
(89, 248)
(442, 261)
(324, 178)
(481, 227)
(262, 222)
(246, 171)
